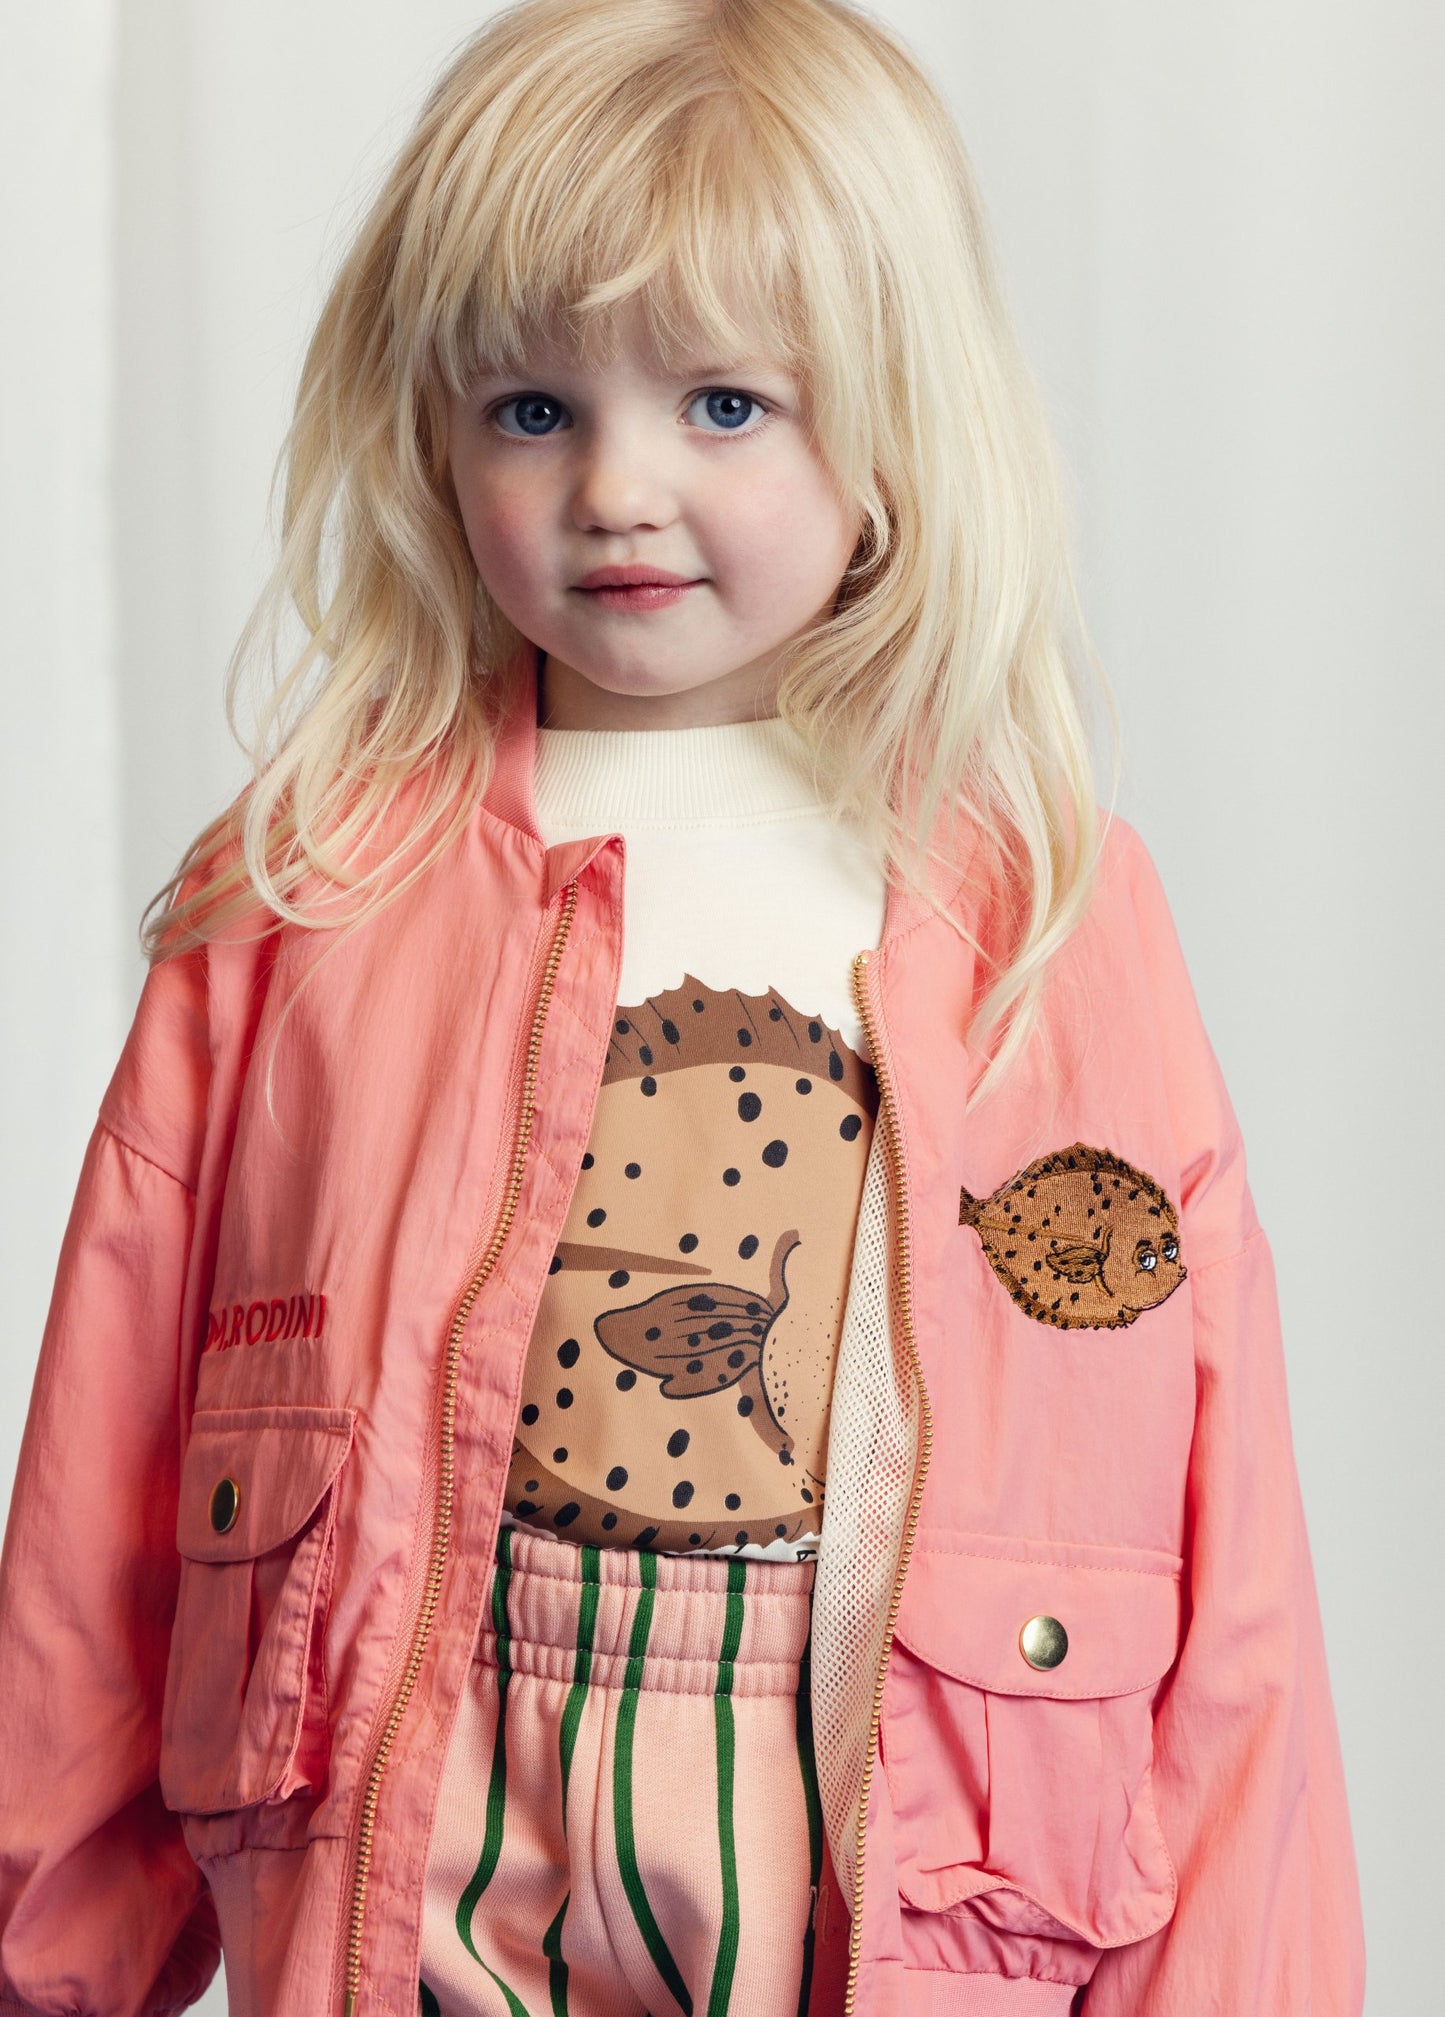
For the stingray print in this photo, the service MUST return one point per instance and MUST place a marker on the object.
(705, 1335)
(1080, 1239)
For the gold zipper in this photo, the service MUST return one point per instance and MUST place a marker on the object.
(441, 1533)
(889, 1115)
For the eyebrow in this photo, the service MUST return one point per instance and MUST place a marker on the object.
(705, 370)
(737, 367)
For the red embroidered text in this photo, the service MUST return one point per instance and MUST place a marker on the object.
(265, 1322)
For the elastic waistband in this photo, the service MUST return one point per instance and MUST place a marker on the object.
(675, 1624)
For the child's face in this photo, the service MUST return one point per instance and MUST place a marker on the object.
(704, 478)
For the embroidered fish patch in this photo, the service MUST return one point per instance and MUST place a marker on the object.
(1080, 1239)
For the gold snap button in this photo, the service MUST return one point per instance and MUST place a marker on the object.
(225, 1505)
(1043, 1642)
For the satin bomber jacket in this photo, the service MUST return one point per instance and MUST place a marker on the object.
(1075, 1736)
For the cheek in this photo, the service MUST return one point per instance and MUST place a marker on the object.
(503, 524)
(787, 529)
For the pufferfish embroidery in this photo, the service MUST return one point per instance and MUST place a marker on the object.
(1080, 1239)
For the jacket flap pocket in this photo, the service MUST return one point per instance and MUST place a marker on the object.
(252, 1477)
(993, 1618)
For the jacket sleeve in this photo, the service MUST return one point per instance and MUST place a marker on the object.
(1248, 1778)
(102, 1911)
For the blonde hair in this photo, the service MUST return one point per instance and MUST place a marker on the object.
(731, 166)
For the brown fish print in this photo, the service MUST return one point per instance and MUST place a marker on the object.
(699, 1337)
(1080, 1239)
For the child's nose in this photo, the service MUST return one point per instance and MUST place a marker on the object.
(622, 485)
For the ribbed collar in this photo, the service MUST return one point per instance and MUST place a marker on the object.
(598, 778)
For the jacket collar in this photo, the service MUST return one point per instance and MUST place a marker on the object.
(509, 795)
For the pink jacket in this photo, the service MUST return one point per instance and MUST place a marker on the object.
(265, 1457)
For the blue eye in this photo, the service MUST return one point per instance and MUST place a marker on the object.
(533, 414)
(727, 411)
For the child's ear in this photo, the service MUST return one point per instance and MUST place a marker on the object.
(874, 537)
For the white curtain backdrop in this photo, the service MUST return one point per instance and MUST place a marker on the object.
(1220, 228)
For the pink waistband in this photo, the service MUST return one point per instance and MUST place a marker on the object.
(678, 1624)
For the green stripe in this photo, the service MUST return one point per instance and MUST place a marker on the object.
(582, 1671)
(647, 1925)
(571, 1718)
(556, 1966)
(497, 1785)
(427, 2004)
(807, 1761)
(725, 1964)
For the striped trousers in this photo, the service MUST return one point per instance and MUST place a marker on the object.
(628, 1823)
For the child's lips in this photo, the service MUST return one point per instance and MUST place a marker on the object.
(640, 595)
(635, 587)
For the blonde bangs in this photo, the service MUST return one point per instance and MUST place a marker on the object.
(662, 201)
